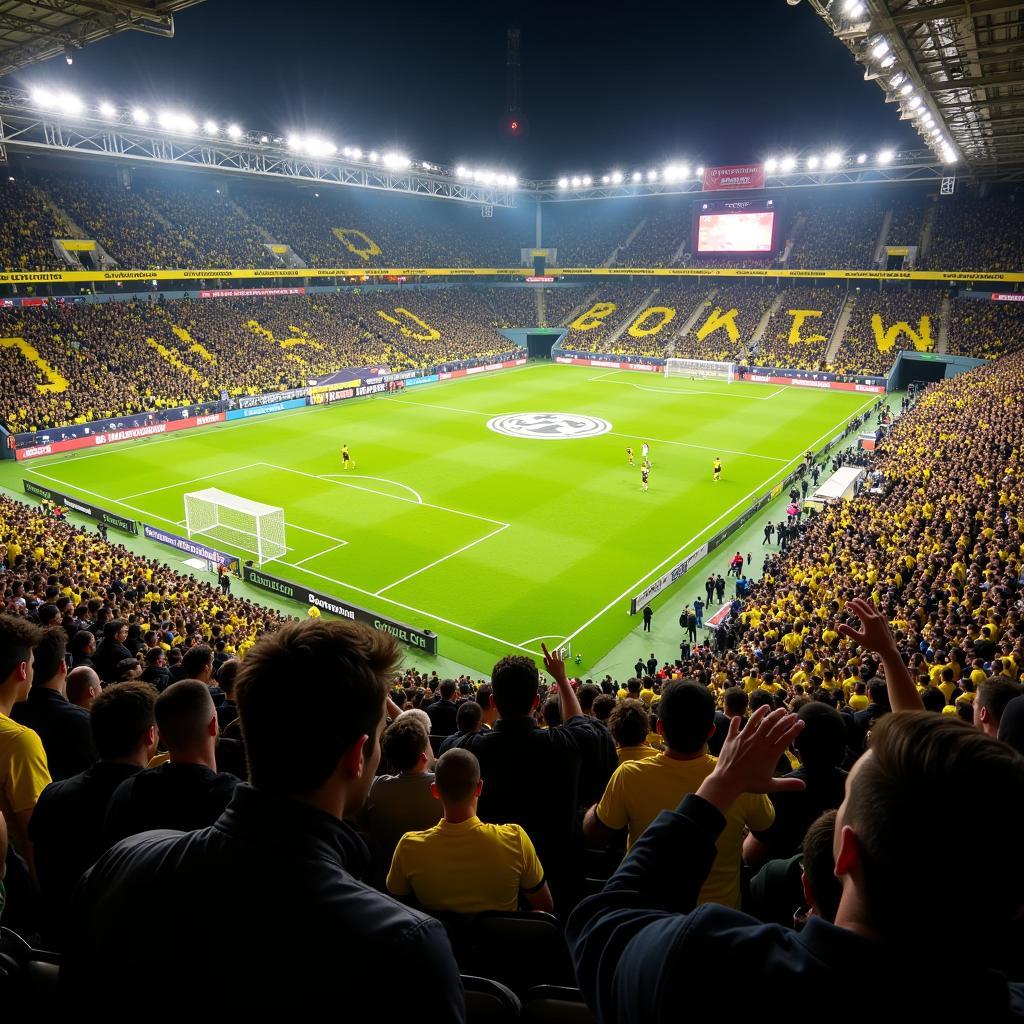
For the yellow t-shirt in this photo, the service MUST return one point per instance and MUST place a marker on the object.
(24, 774)
(638, 753)
(859, 701)
(639, 791)
(465, 868)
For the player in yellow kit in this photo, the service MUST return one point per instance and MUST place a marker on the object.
(716, 470)
(347, 462)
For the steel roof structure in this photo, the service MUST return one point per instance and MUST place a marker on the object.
(35, 30)
(955, 68)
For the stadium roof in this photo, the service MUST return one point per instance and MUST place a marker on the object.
(35, 30)
(954, 67)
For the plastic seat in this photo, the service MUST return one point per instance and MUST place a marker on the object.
(555, 1004)
(522, 950)
(488, 1001)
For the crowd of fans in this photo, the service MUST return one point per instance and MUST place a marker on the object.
(595, 328)
(726, 328)
(864, 348)
(974, 232)
(27, 228)
(985, 330)
(811, 767)
(908, 215)
(836, 235)
(118, 358)
(797, 342)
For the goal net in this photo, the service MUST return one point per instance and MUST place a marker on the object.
(697, 369)
(247, 525)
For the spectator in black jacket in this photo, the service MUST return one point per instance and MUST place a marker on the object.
(187, 791)
(83, 649)
(66, 826)
(442, 712)
(321, 932)
(227, 710)
(930, 793)
(156, 671)
(62, 726)
(864, 720)
(111, 651)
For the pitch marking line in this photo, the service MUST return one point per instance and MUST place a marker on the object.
(333, 547)
(309, 572)
(458, 551)
(394, 497)
(683, 391)
(610, 433)
(675, 554)
(546, 636)
(342, 477)
(195, 479)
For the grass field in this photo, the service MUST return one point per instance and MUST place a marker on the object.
(495, 542)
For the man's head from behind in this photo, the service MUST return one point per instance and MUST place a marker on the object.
(17, 639)
(515, 680)
(990, 703)
(311, 702)
(930, 793)
(447, 689)
(469, 717)
(457, 779)
(686, 716)
(822, 744)
(186, 718)
(628, 723)
(197, 663)
(50, 668)
(124, 722)
(406, 745)
(83, 686)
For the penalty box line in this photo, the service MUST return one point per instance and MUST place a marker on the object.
(683, 547)
(309, 572)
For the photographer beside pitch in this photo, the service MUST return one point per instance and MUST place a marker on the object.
(930, 798)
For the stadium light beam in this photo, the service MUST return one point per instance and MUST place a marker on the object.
(788, 164)
(563, 182)
(605, 179)
(210, 127)
(771, 164)
(637, 176)
(140, 115)
(652, 175)
(885, 156)
(616, 177)
(576, 181)
(833, 159)
(862, 158)
(234, 132)
(812, 162)
(69, 103)
(107, 110)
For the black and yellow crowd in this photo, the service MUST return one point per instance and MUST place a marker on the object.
(266, 811)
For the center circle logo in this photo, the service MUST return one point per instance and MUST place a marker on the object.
(548, 426)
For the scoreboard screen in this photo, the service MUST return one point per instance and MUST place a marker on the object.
(739, 231)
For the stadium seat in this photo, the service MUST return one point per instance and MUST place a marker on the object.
(521, 950)
(27, 976)
(556, 1004)
(488, 1002)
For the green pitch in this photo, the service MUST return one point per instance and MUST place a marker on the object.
(494, 541)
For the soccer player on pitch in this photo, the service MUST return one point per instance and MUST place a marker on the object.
(629, 455)
(645, 451)
(644, 474)
(716, 469)
(347, 462)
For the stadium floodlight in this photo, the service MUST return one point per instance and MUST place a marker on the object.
(587, 180)
(576, 182)
(699, 172)
(862, 158)
(906, 88)
(884, 156)
(107, 110)
(295, 142)
(652, 175)
(605, 179)
(460, 171)
(854, 8)
(69, 103)
(140, 115)
(887, 62)
(513, 181)
(812, 162)
(898, 79)
(210, 127)
(833, 159)
(616, 177)
(234, 132)
(42, 97)
(395, 161)
(563, 182)
(684, 171)
(357, 153)
(936, 132)
(373, 156)
(788, 164)
(669, 172)
(770, 164)
(915, 102)
(880, 48)
(637, 176)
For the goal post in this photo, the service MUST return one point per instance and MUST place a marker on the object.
(700, 369)
(247, 525)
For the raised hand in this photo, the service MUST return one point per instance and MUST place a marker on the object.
(554, 664)
(874, 634)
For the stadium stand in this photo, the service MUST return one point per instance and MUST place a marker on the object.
(985, 330)
(973, 232)
(836, 232)
(81, 362)
(799, 341)
(725, 330)
(588, 237)
(615, 309)
(883, 322)
(908, 216)
(27, 227)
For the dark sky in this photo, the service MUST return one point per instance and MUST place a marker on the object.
(708, 82)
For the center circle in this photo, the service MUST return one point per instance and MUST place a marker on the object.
(548, 426)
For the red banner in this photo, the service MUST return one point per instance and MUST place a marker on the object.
(128, 434)
(1008, 296)
(717, 179)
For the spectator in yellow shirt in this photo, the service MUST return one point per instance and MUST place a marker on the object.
(464, 865)
(629, 724)
(859, 698)
(639, 791)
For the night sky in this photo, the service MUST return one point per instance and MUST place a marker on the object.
(715, 82)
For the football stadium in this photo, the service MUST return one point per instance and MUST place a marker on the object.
(568, 583)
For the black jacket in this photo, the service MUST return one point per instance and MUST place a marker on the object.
(64, 728)
(289, 931)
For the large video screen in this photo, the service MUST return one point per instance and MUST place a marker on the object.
(735, 232)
